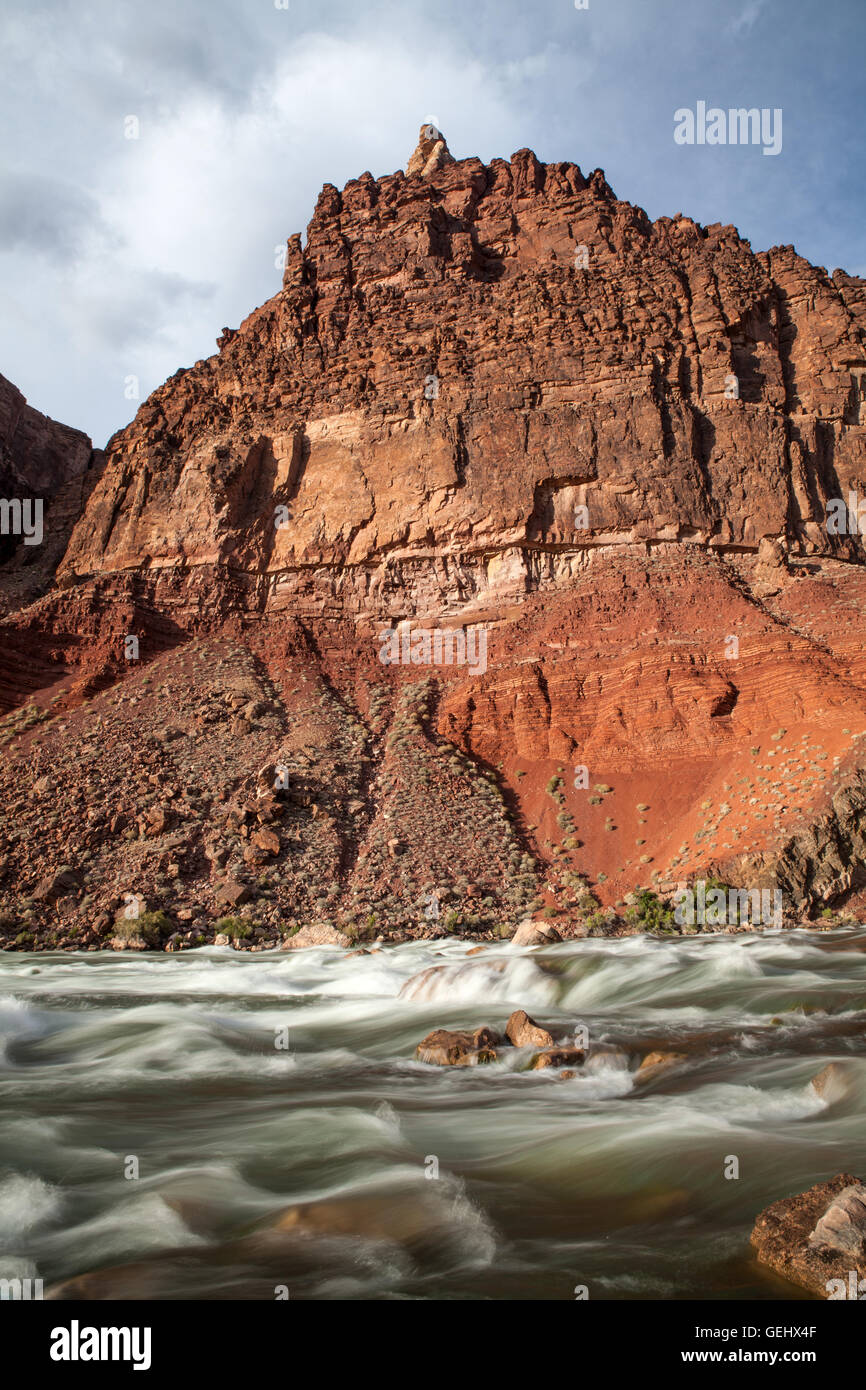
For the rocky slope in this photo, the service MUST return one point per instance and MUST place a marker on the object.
(487, 398)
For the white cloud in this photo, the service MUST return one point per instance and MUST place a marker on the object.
(196, 205)
(126, 257)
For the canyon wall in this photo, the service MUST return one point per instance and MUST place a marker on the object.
(493, 398)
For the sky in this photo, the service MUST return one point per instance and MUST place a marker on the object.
(154, 156)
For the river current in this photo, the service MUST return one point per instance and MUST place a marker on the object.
(218, 1125)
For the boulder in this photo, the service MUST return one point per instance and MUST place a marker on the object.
(817, 1239)
(446, 1048)
(56, 885)
(157, 821)
(267, 778)
(315, 934)
(129, 943)
(531, 933)
(523, 1031)
(232, 894)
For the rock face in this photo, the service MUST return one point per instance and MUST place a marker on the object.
(378, 401)
(40, 461)
(493, 402)
(817, 1239)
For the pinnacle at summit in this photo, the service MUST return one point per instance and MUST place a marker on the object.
(431, 152)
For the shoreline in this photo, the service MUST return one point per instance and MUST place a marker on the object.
(284, 944)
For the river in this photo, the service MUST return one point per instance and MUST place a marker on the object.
(165, 1116)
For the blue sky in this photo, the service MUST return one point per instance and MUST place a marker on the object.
(123, 258)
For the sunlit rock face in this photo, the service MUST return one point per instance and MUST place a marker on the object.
(499, 400)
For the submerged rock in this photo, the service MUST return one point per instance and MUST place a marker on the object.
(832, 1082)
(435, 981)
(557, 1057)
(444, 1048)
(400, 1217)
(654, 1062)
(817, 1239)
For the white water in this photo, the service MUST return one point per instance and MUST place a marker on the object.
(543, 1183)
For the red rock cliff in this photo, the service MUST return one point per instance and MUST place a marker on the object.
(498, 395)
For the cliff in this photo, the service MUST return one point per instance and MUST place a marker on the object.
(492, 398)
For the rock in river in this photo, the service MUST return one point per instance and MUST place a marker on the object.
(444, 1048)
(817, 1239)
(523, 1031)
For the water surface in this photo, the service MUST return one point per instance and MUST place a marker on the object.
(175, 1066)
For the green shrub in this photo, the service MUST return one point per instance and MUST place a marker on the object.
(233, 926)
(650, 912)
(150, 927)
